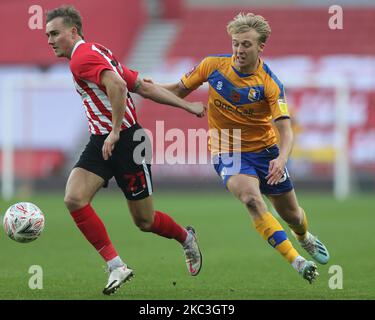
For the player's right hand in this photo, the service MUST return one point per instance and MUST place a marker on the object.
(276, 170)
(148, 80)
(109, 144)
(197, 108)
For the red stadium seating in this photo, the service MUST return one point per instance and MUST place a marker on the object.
(36, 164)
(113, 23)
(300, 31)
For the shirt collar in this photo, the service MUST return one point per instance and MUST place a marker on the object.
(76, 46)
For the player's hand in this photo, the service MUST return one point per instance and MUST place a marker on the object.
(148, 80)
(197, 108)
(276, 171)
(109, 144)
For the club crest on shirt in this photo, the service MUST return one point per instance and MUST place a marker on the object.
(254, 94)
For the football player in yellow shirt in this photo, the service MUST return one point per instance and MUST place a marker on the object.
(244, 97)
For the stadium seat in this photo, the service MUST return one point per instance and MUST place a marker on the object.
(294, 31)
(36, 164)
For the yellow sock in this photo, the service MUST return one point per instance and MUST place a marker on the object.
(271, 230)
(300, 230)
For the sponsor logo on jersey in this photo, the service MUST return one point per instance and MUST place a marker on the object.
(219, 85)
(241, 110)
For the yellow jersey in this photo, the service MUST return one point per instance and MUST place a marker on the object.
(246, 102)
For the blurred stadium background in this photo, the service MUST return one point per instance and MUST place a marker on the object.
(328, 75)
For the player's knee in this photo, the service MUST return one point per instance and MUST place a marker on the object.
(294, 217)
(254, 203)
(73, 202)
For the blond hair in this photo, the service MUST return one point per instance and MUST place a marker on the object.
(245, 22)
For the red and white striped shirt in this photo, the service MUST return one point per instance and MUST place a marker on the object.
(87, 62)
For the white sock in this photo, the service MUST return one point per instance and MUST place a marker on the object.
(298, 263)
(114, 263)
(307, 238)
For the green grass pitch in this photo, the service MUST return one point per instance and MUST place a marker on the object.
(237, 263)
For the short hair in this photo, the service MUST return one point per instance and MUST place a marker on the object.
(245, 22)
(71, 17)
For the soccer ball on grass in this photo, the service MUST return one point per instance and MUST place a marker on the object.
(23, 222)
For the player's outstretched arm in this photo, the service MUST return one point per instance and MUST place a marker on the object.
(160, 94)
(176, 88)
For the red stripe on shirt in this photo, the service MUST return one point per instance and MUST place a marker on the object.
(95, 99)
(96, 118)
(91, 122)
(102, 108)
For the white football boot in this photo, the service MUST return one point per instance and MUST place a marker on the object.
(315, 248)
(117, 278)
(307, 269)
(193, 255)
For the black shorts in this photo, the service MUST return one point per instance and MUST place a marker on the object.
(132, 174)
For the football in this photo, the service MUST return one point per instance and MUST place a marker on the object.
(23, 222)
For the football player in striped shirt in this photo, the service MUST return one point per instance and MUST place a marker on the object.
(245, 97)
(104, 85)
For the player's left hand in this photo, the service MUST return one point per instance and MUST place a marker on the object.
(276, 171)
(109, 144)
